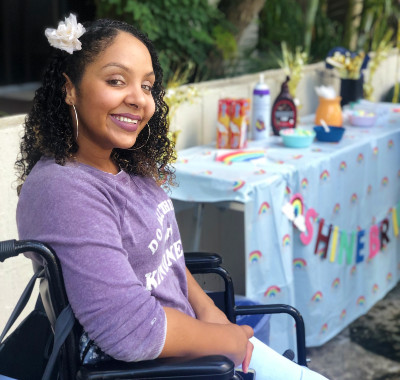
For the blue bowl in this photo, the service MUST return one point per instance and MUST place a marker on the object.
(335, 134)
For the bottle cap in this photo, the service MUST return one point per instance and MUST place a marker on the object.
(261, 88)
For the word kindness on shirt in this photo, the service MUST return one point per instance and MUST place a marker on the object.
(171, 254)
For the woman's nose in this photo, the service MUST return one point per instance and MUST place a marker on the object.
(135, 96)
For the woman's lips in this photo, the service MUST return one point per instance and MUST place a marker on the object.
(130, 124)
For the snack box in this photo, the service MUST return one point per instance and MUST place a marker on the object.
(239, 123)
(223, 121)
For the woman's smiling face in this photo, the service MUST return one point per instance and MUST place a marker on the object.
(114, 100)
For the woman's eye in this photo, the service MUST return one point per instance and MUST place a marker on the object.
(115, 82)
(147, 87)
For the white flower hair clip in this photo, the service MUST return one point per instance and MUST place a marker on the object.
(65, 37)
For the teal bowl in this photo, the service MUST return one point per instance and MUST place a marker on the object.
(297, 137)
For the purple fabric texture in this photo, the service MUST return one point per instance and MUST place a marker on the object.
(120, 250)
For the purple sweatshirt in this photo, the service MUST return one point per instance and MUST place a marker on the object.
(120, 250)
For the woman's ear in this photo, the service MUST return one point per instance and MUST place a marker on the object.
(70, 91)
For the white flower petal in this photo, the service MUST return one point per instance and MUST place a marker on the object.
(67, 34)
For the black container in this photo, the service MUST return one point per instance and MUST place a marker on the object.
(351, 90)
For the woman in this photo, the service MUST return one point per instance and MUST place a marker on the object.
(93, 157)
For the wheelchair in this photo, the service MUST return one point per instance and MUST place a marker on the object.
(54, 299)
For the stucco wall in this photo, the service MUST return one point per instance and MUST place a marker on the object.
(197, 122)
(15, 272)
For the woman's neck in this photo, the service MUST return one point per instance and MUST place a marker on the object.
(105, 164)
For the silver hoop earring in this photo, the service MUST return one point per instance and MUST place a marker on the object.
(77, 122)
(141, 146)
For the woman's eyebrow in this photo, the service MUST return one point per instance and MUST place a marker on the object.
(120, 65)
(125, 68)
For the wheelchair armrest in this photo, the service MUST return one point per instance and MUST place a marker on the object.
(208, 367)
(202, 260)
(281, 309)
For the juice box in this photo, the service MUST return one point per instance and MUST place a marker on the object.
(224, 106)
(239, 123)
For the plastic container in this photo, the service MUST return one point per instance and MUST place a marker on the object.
(297, 137)
(361, 118)
(330, 111)
(335, 134)
(284, 112)
(261, 111)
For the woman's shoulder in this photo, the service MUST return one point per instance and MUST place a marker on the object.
(52, 180)
(47, 172)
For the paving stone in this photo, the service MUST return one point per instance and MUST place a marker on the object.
(343, 358)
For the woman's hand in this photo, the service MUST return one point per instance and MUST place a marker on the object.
(249, 352)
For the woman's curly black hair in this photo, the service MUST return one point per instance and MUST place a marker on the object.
(48, 126)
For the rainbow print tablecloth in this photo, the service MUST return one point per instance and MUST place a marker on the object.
(321, 223)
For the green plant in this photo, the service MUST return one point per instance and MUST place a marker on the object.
(183, 31)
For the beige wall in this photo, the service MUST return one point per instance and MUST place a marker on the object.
(15, 272)
(197, 122)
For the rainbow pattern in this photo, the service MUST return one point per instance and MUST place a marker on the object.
(353, 269)
(336, 283)
(369, 189)
(390, 144)
(324, 175)
(375, 151)
(299, 263)
(261, 171)
(297, 202)
(286, 240)
(297, 156)
(206, 172)
(361, 300)
(241, 156)
(304, 183)
(353, 198)
(238, 184)
(343, 314)
(272, 291)
(324, 328)
(183, 161)
(255, 256)
(385, 181)
(360, 158)
(342, 166)
(336, 209)
(389, 277)
(317, 297)
(263, 208)
(260, 125)
(375, 288)
(287, 190)
(316, 150)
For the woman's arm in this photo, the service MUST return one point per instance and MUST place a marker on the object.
(212, 316)
(202, 304)
(190, 337)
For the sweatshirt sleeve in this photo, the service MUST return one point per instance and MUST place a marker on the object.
(81, 223)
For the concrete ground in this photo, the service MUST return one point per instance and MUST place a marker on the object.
(342, 359)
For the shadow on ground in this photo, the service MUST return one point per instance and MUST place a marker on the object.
(344, 359)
